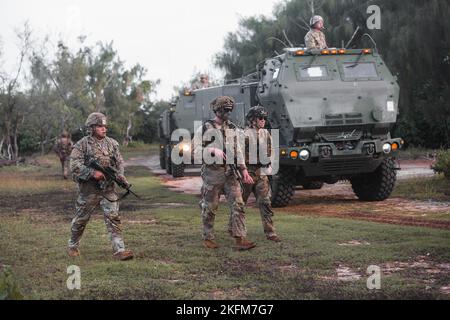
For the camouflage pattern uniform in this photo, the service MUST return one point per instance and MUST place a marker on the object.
(202, 83)
(315, 39)
(219, 179)
(63, 148)
(106, 151)
(261, 187)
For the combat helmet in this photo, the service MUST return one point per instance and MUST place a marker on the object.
(95, 119)
(223, 103)
(256, 112)
(314, 20)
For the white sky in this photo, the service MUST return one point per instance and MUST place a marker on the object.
(173, 39)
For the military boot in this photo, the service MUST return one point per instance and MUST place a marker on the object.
(210, 244)
(274, 238)
(123, 255)
(243, 244)
(73, 252)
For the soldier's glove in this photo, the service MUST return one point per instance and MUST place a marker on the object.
(124, 180)
(99, 176)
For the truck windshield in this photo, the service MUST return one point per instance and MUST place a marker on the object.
(313, 72)
(360, 70)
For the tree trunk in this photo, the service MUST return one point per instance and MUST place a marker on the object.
(15, 146)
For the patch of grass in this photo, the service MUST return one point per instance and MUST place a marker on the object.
(433, 188)
(164, 231)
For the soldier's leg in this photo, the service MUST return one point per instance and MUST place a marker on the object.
(62, 165)
(233, 194)
(209, 205)
(248, 189)
(66, 164)
(262, 193)
(112, 221)
(84, 206)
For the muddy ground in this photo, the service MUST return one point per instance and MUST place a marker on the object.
(336, 200)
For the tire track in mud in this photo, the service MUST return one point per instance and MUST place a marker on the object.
(379, 218)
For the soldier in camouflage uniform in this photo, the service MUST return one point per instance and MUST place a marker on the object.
(94, 190)
(315, 38)
(63, 148)
(202, 83)
(219, 178)
(257, 135)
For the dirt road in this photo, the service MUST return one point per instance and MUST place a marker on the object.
(336, 200)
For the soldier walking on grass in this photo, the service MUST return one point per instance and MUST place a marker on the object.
(94, 189)
(63, 148)
(220, 178)
(257, 135)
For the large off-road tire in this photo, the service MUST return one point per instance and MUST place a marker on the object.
(162, 158)
(376, 186)
(313, 185)
(282, 189)
(177, 170)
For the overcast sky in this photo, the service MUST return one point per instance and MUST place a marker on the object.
(173, 39)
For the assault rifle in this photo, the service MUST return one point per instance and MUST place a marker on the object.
(237, 174)
(111, 174)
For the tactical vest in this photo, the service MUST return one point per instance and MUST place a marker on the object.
(231, 126)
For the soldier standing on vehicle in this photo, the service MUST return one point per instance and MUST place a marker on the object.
(219, 178)
(94, 190)
(257, 135)
(202, 84)
(315, 38)
(63, 148)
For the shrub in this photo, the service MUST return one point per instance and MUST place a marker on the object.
(8, 285)
(442, 164)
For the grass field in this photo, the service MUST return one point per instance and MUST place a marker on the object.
(319, 258)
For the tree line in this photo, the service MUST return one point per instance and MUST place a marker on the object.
(48, 93)
(51, 91)
(413, 40)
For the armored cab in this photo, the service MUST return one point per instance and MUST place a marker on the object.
(334, 110)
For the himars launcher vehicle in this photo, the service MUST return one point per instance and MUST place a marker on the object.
(334, 110)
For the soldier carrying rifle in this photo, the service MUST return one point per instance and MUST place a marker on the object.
(97, 188)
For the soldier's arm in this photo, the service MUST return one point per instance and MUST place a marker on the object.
(324, 41)
(197, 144)
(309, 41)
(240, 149)
(79, 170)
(120, 163)
(270, 149)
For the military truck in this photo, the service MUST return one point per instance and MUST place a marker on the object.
(334, 110)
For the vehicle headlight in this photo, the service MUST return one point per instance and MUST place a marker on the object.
(185, 147)
(304, 155)
(387, 148)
